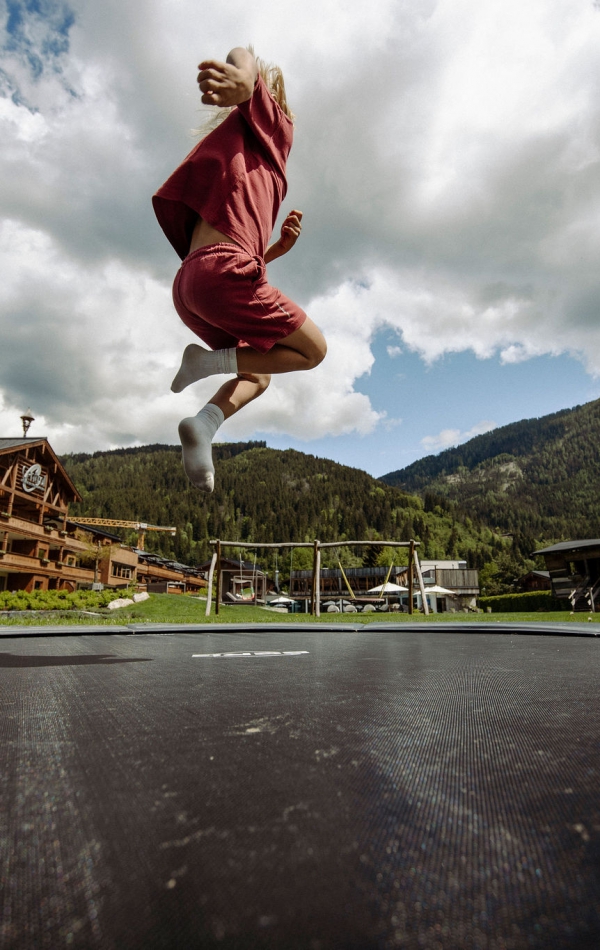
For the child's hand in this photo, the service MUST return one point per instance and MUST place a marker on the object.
(290, 231)
(223, 84)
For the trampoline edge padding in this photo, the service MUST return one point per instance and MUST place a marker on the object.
(517, 629)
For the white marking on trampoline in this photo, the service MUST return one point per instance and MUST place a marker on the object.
(212, 656)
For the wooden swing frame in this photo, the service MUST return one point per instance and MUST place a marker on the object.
(414, 567)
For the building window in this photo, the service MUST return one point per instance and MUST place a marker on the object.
(121, 570)
(37, 585)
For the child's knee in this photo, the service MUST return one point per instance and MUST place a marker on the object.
(317, 353)
(261, 380)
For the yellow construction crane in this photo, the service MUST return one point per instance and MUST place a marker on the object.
(139, 526)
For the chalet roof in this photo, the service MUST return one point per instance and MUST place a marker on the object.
(377, 571)
(14, 443)
(152, 558)
(94, 530)
(573, 547)
(9, 445)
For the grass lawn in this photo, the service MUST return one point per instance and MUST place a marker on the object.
(177, 609)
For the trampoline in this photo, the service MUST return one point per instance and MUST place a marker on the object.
(300, 787)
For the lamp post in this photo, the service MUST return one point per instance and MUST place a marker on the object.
(26, 420)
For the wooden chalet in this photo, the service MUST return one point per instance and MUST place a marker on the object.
(574, 568)
(114, 564)
(37, 550)
(452, 575)
(333, 582)
(534, 581)
(41, 548)
(159, 575)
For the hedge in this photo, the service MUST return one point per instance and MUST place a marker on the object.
(534, 600)
(57, 599)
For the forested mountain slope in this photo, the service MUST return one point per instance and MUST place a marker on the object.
(538, 479)
(264, 494)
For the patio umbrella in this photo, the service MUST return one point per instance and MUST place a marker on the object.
(436, 589)
(388, 588)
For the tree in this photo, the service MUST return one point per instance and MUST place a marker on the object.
(387, 556)
(96, 552)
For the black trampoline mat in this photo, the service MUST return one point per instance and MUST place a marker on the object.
(318, 790)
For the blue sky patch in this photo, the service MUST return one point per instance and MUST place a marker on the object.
(37, 32)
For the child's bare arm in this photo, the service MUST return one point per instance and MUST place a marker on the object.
(229, 83)
(290, 232)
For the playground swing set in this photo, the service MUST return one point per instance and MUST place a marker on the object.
(215, 571)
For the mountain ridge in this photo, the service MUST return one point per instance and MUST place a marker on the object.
(536, 478)
(266, 495)
(491, 501)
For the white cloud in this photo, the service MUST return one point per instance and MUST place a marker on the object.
(449, 437)
(89, 348)
(391, 423)
(446, 159)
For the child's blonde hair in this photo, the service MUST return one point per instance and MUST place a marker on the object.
(272, 77)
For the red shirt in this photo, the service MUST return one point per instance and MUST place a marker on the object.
(234, 178)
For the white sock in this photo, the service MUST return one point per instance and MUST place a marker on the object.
(198, 363)
(196, 434)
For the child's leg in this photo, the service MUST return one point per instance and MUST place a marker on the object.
(197, 432)
(303, 349)
(237, 393)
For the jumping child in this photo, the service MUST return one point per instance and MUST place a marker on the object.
(218, 210)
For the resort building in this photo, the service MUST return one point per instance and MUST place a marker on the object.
(38, 548)
(42, 548)
(574, 569)
(335, 582)
(451, 584)
(159, 575)
(534, 581)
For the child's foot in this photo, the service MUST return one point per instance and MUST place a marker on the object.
(197, 453)
(194, 366)
(198, 363)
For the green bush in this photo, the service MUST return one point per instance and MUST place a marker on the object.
(57, 599)
(513, 603)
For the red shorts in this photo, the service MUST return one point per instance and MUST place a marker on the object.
(222, 295)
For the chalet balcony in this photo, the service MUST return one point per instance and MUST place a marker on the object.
(19, 527)
(25, 564)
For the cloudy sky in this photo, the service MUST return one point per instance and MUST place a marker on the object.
(446, 159)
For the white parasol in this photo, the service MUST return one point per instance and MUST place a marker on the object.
(388, 588)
